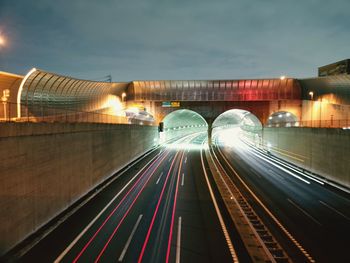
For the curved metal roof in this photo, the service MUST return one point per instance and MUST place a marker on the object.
(42, 90)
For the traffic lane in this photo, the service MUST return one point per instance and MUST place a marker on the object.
(315, 196)
(48, 248)
(97, 238)
(156, 248)
(202, 239)
(144, 207)
(159, 221)
(298, 206)
(111, 237)
(312, 192)
(304, 225)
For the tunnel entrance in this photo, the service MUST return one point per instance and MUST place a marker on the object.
(282, 119)
(236, 123)
(180, 123)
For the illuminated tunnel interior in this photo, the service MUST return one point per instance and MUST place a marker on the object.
(180, 123)
(235, 122)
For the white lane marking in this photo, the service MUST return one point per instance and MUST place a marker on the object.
(178, 241)
(60, 257)
(182, 179)
(282, 163)
(304, 212)
(221, 220)
(335, 210)
(160, 176)
(129, 239)
(186, 159)
(283, 169)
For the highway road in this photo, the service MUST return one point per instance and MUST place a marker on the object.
(165, 208)
(316, 215)
(160, 210)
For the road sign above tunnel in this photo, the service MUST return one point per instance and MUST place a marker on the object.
(171, 104)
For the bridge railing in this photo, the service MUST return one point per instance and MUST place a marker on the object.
(40, 113)
(344, 124)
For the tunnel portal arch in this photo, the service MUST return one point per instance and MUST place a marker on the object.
(237, 117)
(282, 119)
(181, 123)
(236, 122)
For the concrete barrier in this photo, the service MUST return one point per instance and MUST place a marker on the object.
(322, 151)
(45, 168)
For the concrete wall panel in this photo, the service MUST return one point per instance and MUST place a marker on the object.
(45, 168)
(323, 151)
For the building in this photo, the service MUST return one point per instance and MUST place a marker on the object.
(337, 68)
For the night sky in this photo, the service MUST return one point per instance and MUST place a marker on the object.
(174, 39)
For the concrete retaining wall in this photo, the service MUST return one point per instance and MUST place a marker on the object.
(46, 167)
(323, 151)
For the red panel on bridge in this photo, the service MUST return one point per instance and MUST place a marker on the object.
(224, 90)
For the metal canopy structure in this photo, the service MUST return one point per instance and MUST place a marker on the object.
(43, 90)
(216, 90)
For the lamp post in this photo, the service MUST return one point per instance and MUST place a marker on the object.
(311, 93)
(5, 96)
(123, 96)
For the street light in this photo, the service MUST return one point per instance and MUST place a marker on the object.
(123, 96)
(311, 93)
(4, 98)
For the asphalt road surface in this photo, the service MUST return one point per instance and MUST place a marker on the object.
(158, 211)
(316, 215)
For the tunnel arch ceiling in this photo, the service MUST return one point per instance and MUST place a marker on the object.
(183, 118)
(181, 123)
(239, 118)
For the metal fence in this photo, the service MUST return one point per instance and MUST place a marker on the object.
(344, 124)
(39, 113)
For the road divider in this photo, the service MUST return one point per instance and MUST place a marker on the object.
(217, 209)
(269, 213)
(257, 239)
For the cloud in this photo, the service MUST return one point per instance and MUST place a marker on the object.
(192, 39)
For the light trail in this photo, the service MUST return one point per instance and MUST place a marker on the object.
(114, 210)
(156, 211)
(174, 209)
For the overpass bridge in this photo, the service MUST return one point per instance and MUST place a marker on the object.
(321, 102)
(57, 144)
